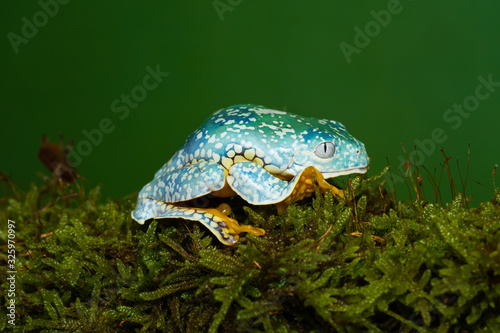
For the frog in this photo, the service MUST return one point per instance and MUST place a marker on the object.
(262, 155)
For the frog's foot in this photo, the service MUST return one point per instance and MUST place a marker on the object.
(225, 209)
(303, 186)
(257, 186)
(223, 227)
(304, 183)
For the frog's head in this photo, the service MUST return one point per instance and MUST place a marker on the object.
(327, 146)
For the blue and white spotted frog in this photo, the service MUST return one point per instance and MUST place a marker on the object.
(264, 156)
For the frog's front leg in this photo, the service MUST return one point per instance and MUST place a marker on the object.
(259, 187)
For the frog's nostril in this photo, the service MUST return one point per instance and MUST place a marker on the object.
(357, 151)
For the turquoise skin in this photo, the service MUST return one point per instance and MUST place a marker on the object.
(250, 151)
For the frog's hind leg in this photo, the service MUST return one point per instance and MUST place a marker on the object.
(159, 198)
(259, 187)
(223, 227)
(185, 183)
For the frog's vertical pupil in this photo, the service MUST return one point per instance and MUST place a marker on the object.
(325, 150)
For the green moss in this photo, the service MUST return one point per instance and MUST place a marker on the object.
(364, 263)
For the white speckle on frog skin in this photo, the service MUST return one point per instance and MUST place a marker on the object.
(263, 111)
(244, 127)
(284, 132)
(249, 154)
(270, 126)
(238, 149)
(259, 152)
(216, 157)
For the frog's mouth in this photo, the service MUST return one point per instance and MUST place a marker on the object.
(345, 172)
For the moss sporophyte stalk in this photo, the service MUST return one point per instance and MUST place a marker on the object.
(367, 262)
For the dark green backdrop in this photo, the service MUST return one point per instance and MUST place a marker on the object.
(411, 62)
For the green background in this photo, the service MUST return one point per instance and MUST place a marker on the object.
(284, 55)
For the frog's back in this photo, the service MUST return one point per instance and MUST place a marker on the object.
(247, 131)
(234, 124)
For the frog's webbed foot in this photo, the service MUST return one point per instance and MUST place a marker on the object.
(303, 186)
(257, 186)
(225, 209)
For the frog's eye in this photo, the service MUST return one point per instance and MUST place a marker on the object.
(325, 150)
